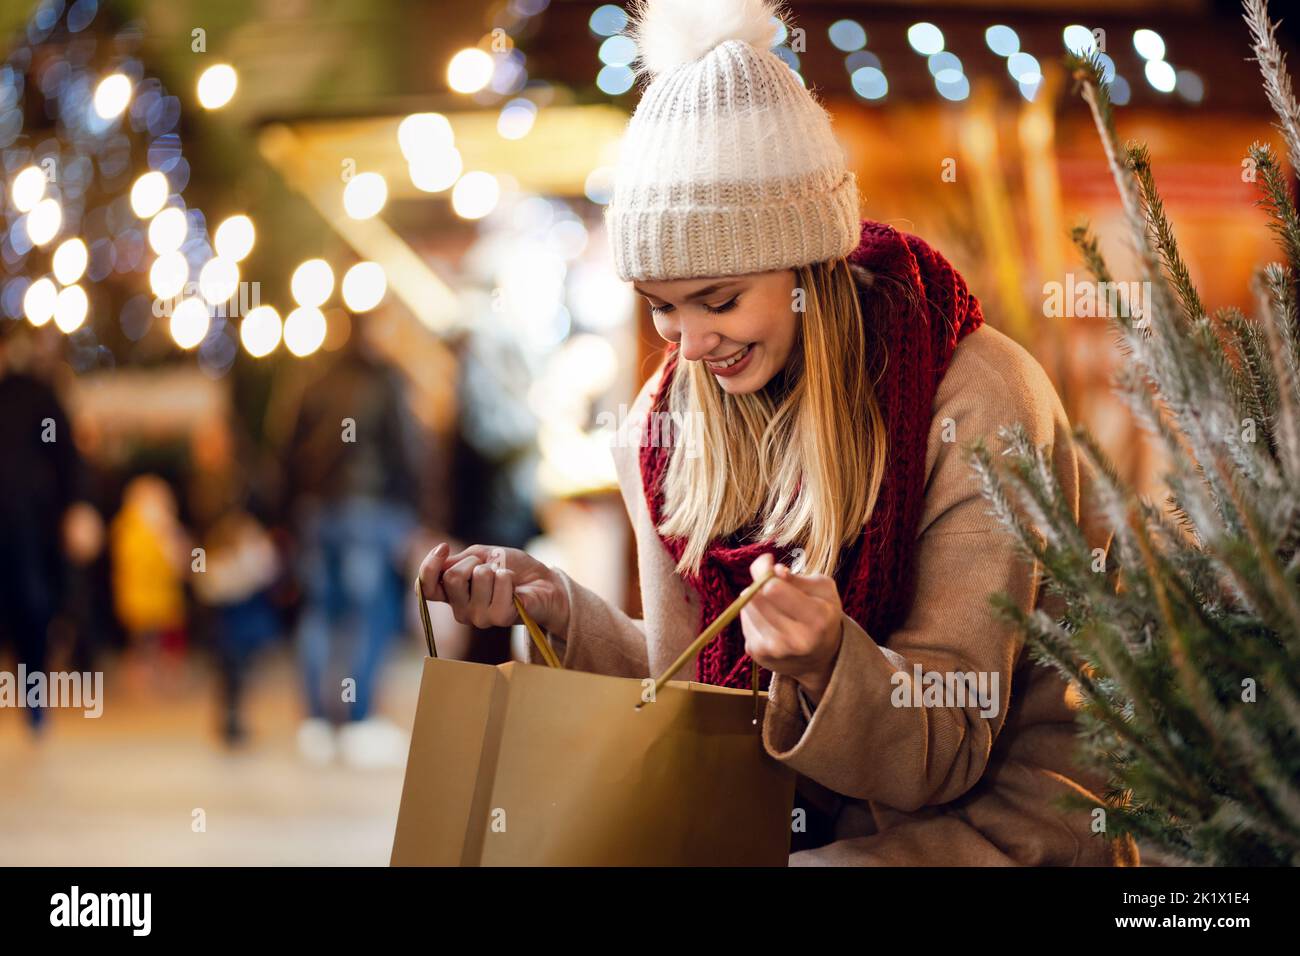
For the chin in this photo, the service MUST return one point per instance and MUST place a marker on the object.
(751, 381)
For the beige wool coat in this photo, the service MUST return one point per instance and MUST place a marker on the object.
(906, 786)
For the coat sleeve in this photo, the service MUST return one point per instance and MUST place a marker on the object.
(862, 739)
(600, 638)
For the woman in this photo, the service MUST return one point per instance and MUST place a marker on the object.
(825, 373)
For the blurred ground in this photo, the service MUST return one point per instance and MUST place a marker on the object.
(121, 789)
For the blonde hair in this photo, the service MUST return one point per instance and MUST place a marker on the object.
(803, 458)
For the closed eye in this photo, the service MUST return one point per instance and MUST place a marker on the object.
(715, 310)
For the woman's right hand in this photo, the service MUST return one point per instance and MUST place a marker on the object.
(480, 581)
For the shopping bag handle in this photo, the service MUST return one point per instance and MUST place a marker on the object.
(539, 638)
(708, 634)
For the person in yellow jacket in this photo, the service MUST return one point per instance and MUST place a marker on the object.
(147, 548)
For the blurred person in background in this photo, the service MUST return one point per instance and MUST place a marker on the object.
(43, 518)
(352, 488)
(241, 565)
(150, 553)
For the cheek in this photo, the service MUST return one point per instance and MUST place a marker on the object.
(780, 328)
(666, 329)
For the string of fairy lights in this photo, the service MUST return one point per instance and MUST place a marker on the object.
(866, 72)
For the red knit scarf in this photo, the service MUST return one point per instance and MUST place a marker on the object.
(915, 312)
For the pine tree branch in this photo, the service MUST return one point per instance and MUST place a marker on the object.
(1161, 233)
(1276, 201)
(1277, 81)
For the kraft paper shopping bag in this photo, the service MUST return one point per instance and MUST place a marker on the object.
(521, 764)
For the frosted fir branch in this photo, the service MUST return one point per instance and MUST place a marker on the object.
(1253, 388)
(1185, 552)
(1108, 496)
(1090, 249)
(1182, 371)
(1277, 794)
(1178, 514)
(1001, 508)
(1161, 234)
(1183, 724)
(1289, 704)
(1232, 816)
(1040, 494)
(1251, 346)
(1275, 199)
(1276, 305)
(1277, 81)
(1089, 73)
(1280, 282)
(1105, 703)
(1048, 642)
(1048, 488)
(1152, 710)
(1281, 592)
(1186, 451)
(1228, 411)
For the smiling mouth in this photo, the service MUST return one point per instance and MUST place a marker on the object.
(729, 360)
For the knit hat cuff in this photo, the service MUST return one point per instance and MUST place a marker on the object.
(688, 241)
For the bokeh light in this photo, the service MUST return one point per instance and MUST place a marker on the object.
(189, 323)
(217, 85)
(925, 38)
(1002, 40)
(304, 330)
(364, 195)
(422, 134)
(28, 188)
(168, 275)
(70, 308)
(234, 238)
(148, 194)
(312, 283)
(44, 221)
(69, 261)
(1149, 44)
(218, 280)
(364, 286)
(847, 35)
(260, 331)
(475, 195)
(168, 230)
(39, 301)
(469, 70)
(1161, 75)
(112, 96)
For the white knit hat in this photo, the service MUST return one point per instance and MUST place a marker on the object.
(728, 165)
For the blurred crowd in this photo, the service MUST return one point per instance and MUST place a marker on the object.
(218, 553)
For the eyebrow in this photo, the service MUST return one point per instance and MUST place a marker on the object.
(697, 294)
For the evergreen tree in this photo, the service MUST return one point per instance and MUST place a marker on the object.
(1184, 640)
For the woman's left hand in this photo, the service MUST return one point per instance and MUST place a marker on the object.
(793, 625)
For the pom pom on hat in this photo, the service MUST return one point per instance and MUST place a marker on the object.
(672, 33)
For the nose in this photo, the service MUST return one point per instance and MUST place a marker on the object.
(698, 343)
